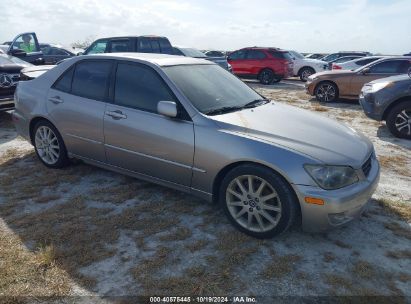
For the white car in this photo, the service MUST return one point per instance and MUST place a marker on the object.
(305, 67)
(355, 63)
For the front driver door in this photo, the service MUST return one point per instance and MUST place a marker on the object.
(137, 138)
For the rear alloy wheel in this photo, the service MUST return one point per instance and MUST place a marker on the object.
(326, 92)
(49, 145)
(399, 120)
(257, 201)
(305, 73)
(266, 76)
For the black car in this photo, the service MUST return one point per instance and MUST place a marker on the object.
(335, 56)
(52, 54)
(141, 44)
(191, 52)
(10, 68)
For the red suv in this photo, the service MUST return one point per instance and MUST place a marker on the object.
(268, 65)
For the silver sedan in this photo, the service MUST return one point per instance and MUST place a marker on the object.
(188, 124)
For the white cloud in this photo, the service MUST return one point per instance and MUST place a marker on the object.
(317, 25)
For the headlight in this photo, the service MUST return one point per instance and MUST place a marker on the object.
(332, 177)
(374, 87)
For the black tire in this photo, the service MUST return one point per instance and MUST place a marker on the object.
(266, 76)
(285, 198)
(62, 159)
(326, 91)
(399, 120)
(305, 72)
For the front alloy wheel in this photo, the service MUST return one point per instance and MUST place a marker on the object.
(253, 203)
(258, 201)
(326, 92)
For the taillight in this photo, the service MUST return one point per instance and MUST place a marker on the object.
(336, 67)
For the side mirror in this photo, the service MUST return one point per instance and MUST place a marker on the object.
(365, 71)
(167, 108)
(18, 53)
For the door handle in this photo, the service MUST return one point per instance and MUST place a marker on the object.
(117, 114)
(56, 99)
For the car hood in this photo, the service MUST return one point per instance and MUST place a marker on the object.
(300, 130)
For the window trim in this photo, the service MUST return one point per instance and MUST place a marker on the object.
(182, 113)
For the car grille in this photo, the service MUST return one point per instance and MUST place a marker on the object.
(366, 167)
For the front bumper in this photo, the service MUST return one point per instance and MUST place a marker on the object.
(309, 88)
(370, 107)
(341, 205)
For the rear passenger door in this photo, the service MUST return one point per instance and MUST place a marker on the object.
(137, 138)
(76, 103)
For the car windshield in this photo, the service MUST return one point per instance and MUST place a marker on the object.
(192, 53)
(5, 59)
(297, 55)
(211, 88)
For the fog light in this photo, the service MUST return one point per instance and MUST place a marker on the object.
(338, 218)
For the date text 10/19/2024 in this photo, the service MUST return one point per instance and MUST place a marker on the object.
(203, 300)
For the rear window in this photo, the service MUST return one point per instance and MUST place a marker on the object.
(281, 55)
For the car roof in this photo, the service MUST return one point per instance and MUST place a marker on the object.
(157, 59)
(132, 36)
(265, 48)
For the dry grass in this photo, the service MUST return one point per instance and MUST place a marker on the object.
(179, 234)
(319, 108)
(197, 245)
(398, 208)
(27, 273)
(328, 257)
(399, 254)
(363, 269)
(396, 163)
(398, 229)
(280, 266)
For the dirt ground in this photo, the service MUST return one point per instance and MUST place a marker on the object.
(86, 231)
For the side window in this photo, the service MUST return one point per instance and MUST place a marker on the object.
(59, 52)
(143, 45)
(64, 82)
(118, 46)
(165, 46)
(365, 61)
(389, 67)
(91, 79)
(97, 47)
(47, 51)
(255, 54)
(155, 46)
(238, 55)
(140, 87)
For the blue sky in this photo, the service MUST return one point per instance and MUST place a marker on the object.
(307, 26)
